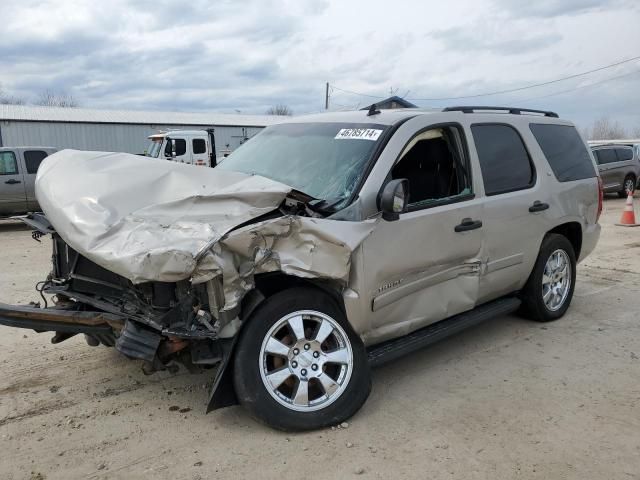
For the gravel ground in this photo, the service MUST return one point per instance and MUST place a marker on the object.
(507, 399)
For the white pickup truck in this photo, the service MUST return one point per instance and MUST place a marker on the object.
(194, 147)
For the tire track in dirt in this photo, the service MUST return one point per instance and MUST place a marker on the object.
(41, 409)
(59, 360)
(22, 384)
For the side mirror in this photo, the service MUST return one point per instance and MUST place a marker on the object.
(394, 199)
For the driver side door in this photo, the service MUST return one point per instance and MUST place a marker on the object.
(176, 150)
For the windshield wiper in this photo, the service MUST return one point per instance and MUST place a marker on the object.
(326, 205)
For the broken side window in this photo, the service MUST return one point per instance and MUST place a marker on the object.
(434, 164)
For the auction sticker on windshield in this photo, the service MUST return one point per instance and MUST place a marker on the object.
(358, 133)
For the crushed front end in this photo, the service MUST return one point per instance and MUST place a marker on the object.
(163, 264)
(157, 322)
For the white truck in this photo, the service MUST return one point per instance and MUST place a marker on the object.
(194, 147)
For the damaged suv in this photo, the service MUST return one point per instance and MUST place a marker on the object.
(322, 247)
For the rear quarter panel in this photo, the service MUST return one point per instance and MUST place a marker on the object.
(573, 201)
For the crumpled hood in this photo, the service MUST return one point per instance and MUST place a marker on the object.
(147, 219)
(155, 220)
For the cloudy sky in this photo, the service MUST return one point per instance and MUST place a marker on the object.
(213, 55)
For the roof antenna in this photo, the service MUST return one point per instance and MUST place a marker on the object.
(373, 110)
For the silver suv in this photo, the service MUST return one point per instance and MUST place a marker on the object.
(618, 165)
(320, 248)
(18, 168)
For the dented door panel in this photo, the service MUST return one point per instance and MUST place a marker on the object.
(427, 272)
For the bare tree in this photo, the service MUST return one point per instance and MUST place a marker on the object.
(9, 99)
(49, 98)
(279, 109)
(635, 133)
(605, 129)
(585, 132)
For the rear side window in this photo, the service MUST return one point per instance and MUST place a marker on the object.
(624, 154)
(181, 146)
(565, 151)
(33, 159)
(199, 146)
(606, 155)
(8, 164)
(504, 159)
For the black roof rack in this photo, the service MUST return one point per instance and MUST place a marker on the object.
(512, 110)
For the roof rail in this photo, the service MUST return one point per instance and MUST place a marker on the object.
(512, 110)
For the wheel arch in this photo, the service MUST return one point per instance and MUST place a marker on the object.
(268, 284)
(573, 232)
(223, 392)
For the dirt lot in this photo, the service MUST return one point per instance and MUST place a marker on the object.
(507, 399)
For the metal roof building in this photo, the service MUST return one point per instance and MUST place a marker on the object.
(117, 130)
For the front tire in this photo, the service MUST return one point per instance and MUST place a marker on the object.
(549, 289)
(298, 364)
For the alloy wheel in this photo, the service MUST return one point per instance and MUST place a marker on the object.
(556, 280)
(629, 185)
(306, 360)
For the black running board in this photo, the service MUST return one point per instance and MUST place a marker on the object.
(398, 347)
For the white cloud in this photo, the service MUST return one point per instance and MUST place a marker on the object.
(557, 8)
(227, 55)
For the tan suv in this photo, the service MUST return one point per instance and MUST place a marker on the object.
(320, 248)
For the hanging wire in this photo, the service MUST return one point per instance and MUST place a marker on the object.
(498, 92)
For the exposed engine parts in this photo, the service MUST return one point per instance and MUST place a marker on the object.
(157, 322)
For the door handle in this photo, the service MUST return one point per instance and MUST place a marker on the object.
(12, 182)
(468, 224)
(538, 206)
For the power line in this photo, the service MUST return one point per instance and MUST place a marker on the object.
(579, 87)
(355, 93)
(582, 86)
(500, 92)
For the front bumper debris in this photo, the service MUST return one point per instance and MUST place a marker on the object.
(59, 320)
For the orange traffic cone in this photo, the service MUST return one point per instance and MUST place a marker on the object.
(628, 218)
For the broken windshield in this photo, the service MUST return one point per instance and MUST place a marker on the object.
(324, 160)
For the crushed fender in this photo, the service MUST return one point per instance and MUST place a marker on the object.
(150, 220)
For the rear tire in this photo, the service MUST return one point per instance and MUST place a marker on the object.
(628, 184)
(291, 376)
(549, 289)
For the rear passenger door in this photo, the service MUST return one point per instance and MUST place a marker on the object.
(626, 166)
(32, 161)
(12, 193)
(512, 220)
(607, 165)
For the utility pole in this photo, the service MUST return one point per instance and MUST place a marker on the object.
(326, 97)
